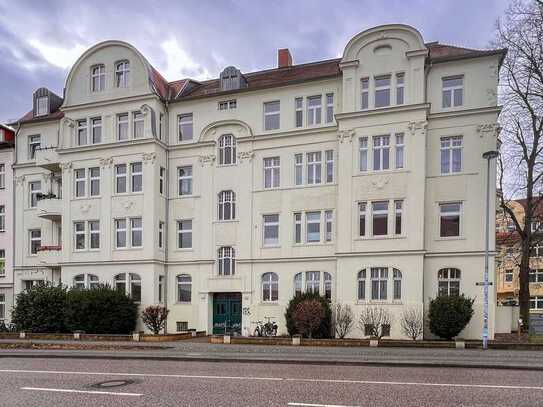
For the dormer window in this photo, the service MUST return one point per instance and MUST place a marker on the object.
(122, 71)
(232, 79)
(98, 78)
(42, 106)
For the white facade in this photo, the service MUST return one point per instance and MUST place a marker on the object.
(403, 161)
(6, 229)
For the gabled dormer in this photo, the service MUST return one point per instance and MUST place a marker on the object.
(45, 102)
(232, 79)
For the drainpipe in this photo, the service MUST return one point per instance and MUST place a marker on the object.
(166, 229)
(13, 212)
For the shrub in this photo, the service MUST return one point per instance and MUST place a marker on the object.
(308, 316)
(412, 322)
(343, 320)
(154, 317)
(41, 309)
(102, 310)
(375, 322)
(448, 315)
(324, 329)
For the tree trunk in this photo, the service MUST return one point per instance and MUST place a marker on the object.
(524, 283)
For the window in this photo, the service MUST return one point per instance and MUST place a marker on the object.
(398, 217)
(329, 155)
(226, 259)
(182, 326)
(271, 230)
(80, 182)
(380, 218)
(362, 285)
(397, 281)
(379, 282)
(535, 251)
(536, 302)
(328, 226)
(298, 169)
(312, 282)
(136, 229)
(298, 284)
(120, 179)
(363, 153)
(2, 176)
(536, 276)
(298, 227)
(314, 110)
(400, 88)
(79, 235)
(136, 170)
(453, 91)
(161, 179)
(137, 123)
(327, 286)
(364, 99)
(130, 284)
(448, 281)
(120, 233)
(313, 225)
(227, 205)
(85, 281)
(227, 149)
(2, 218)
(2, 262)
(382, 91)
(42, 106)
(451, 154)
(94, 181)
(184, 234)
(35, 240)
(185, 180)
(122, 126)
(96, 125)
(508, 276)
(98, 78)
(272, 115)
(272, 172)
(450, 219)
(299, 112)
(135, 233)
(94, 234)
(227, 104)
(329, 107)
(160, 235)
(185, 127)
(160, 289)
(2, 306)
(270, 287)
(122, 72)
(362, 219)
(184, 288)
(314, 167)
(35, 190)
(399, 150)
(34, 143)
(381, 147)
(82, 132)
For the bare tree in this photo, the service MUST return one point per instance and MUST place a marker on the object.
(521, 94)
(376, 321)
(412, 322)
(308, 316)
(154, 317)
(343, 320)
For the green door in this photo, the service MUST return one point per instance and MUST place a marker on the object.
(226, 313)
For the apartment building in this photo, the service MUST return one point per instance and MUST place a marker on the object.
(359, 178)
(7, 157)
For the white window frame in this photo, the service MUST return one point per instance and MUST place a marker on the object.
(184, 231)
(363, 156)
(270, 222)
(33, 193)
(458, 213)
(2, 218)
(399, 146)
(185, 125)
(183, 280)
(85, 281)
(226, 255)
(2, 307)
(363, 218)
(298, 236)
(184, 180)
(329, 108)
(82, 128)
(118, 229)
(93, 231)
(315, 281)
(382, 88)
(34, 143)
(136, 229)
(379, 283)
(124, 176)
(276, 104)
(80, 178)
(161, 235)
(34, 239)
(123, 122)
(314, 111)
(446, 278)
(299, 169)
(226, 199)
(138, 125)
(380, 212)
(364, 93)
(98, 78)
(96, 123)
(299, 112)
(272, 172)
(161, 180)
(448, 146)
(329, 157)
(80, 233)
(270, 287)
(453, 89)
(400, 88)
(398, 213)
(313, 222)
(42, 110)
(2, 263)
(122, 74)
(227, 149)
(2, 176)
(314, 167)
(93, 179)
(134, 174)
(381, 147)
(328, 225)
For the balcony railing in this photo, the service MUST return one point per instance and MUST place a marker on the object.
(47, 157)
(49, 255)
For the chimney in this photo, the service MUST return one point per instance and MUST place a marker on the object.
(284, 59)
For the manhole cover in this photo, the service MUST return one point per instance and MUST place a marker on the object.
(113, 383)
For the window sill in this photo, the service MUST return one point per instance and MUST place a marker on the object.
(183, 303)
(187, 196)
(379, 302)
(127, 249)
(82, 198)
(269, 303)
(183, 249)
(271, 246)
(444, 239)
(227, 165)
(381, 172)
(116, 194)
(380, 237)
(226, 221)
(313, 244)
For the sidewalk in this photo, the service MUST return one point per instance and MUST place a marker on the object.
(201, 351)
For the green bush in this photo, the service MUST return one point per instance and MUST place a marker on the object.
(448, 315)
(41, 309)
(101, 310)
(324, 329)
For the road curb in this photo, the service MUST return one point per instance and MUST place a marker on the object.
(317, 362)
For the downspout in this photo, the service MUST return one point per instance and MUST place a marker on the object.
(166, 229)
(426, 72)
(13, 210)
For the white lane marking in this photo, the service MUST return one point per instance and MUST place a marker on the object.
(81, 391)
(316, 405)
(276, 379)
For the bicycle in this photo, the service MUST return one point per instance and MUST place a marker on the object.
(265, 329)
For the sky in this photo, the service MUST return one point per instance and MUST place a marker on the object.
(40, 40)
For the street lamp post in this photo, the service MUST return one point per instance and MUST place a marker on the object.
(488, 156)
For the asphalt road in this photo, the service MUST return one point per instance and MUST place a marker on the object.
(74, 382)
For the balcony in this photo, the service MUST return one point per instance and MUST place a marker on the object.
(50, 256)
(47, 157)
(49, 207)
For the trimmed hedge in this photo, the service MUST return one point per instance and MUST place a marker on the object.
(449, 314)
(325, 328)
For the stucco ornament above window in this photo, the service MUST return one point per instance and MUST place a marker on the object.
(346, 136)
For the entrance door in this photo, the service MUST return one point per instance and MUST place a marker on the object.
(227, 313)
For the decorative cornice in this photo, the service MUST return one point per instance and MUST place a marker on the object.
(145, 109)
(419, 125)
(345, 136)
(245, 155)
(106, 162)
(206, 159)
(68, 122)
(149, 158)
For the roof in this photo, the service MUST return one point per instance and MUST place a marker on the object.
(5, 126)
(186, 89)
(539, 207)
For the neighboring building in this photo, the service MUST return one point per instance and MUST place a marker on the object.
(7, 158)
(360, 178)
(508, 255)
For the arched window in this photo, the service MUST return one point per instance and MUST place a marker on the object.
(82, 281)
(227, 205)
(327, 286)
(227, 149)
(129, 283)
(379, 283)
(310, 281)
(448, 281)
(227, 261)
(270, 287)
(122, 70)
(397, 278)
(184, 288)
(98, 78)
(362, 285)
